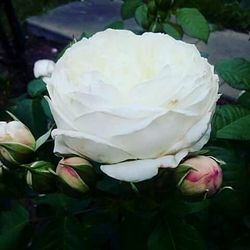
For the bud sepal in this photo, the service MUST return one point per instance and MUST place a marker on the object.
(40, 176)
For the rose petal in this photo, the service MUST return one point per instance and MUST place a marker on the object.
(89, 146)
(140, 170)
(158, 137)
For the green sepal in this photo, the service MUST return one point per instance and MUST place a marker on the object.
(20, 153)
(181, 172)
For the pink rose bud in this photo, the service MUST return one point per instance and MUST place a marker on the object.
(76, 173)
(17, 144)
(205, 177)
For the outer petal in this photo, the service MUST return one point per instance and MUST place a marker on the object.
(199, 132)
(89, 146)
(140, 170)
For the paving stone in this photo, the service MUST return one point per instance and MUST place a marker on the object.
(69, 21)
(224, 45)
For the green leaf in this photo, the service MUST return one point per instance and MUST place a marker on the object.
(155, 27)
(244, 100)
(46, 109)
(31, 113)
(128, 8)
(193, 23)
(63, 202)
(42, 139)
(64, 233)
(12, 116)
(232, 122)
(119, 25)
(236, 72)
(172, 31)
(12, 224)
(234, 172)
(134, 230)
(141, 16)
(174, 234)
(36, 88)
(181, 172)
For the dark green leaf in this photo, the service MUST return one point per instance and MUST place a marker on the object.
(31, 113)
(64, 233)
(232, 122)
(12, 223)
(175, 234)
(46, 109)
(155, 27)
(244, 100)
(193, 23)
(63, 202)
(141, 16)
(134, 230)
(172, 31)
(128, 8)
(234, 172)
(236, 72)
(36, 88)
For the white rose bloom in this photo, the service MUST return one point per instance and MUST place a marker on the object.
(133, 103)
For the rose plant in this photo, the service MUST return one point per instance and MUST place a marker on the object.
(137, 108)
(142, 103)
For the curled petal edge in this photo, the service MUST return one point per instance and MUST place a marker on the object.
(140, 170)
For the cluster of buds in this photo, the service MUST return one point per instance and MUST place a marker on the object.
(17, 144)
(77, 175)
(17, 149)
(203, 178)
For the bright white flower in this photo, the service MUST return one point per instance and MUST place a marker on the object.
(134, 103)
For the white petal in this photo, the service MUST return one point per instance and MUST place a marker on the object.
(203, 140)
(62, 119)
(196, 137)
(117, 121)
(43, 68)
(89, 146)
(158, 137)
(140, 170)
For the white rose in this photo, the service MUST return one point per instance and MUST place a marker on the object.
(134, 103)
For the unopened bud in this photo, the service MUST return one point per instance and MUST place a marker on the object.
(17, 144)
(40, 176)
(76, 173)
(205, 177)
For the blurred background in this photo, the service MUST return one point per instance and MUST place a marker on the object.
(31, 30)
